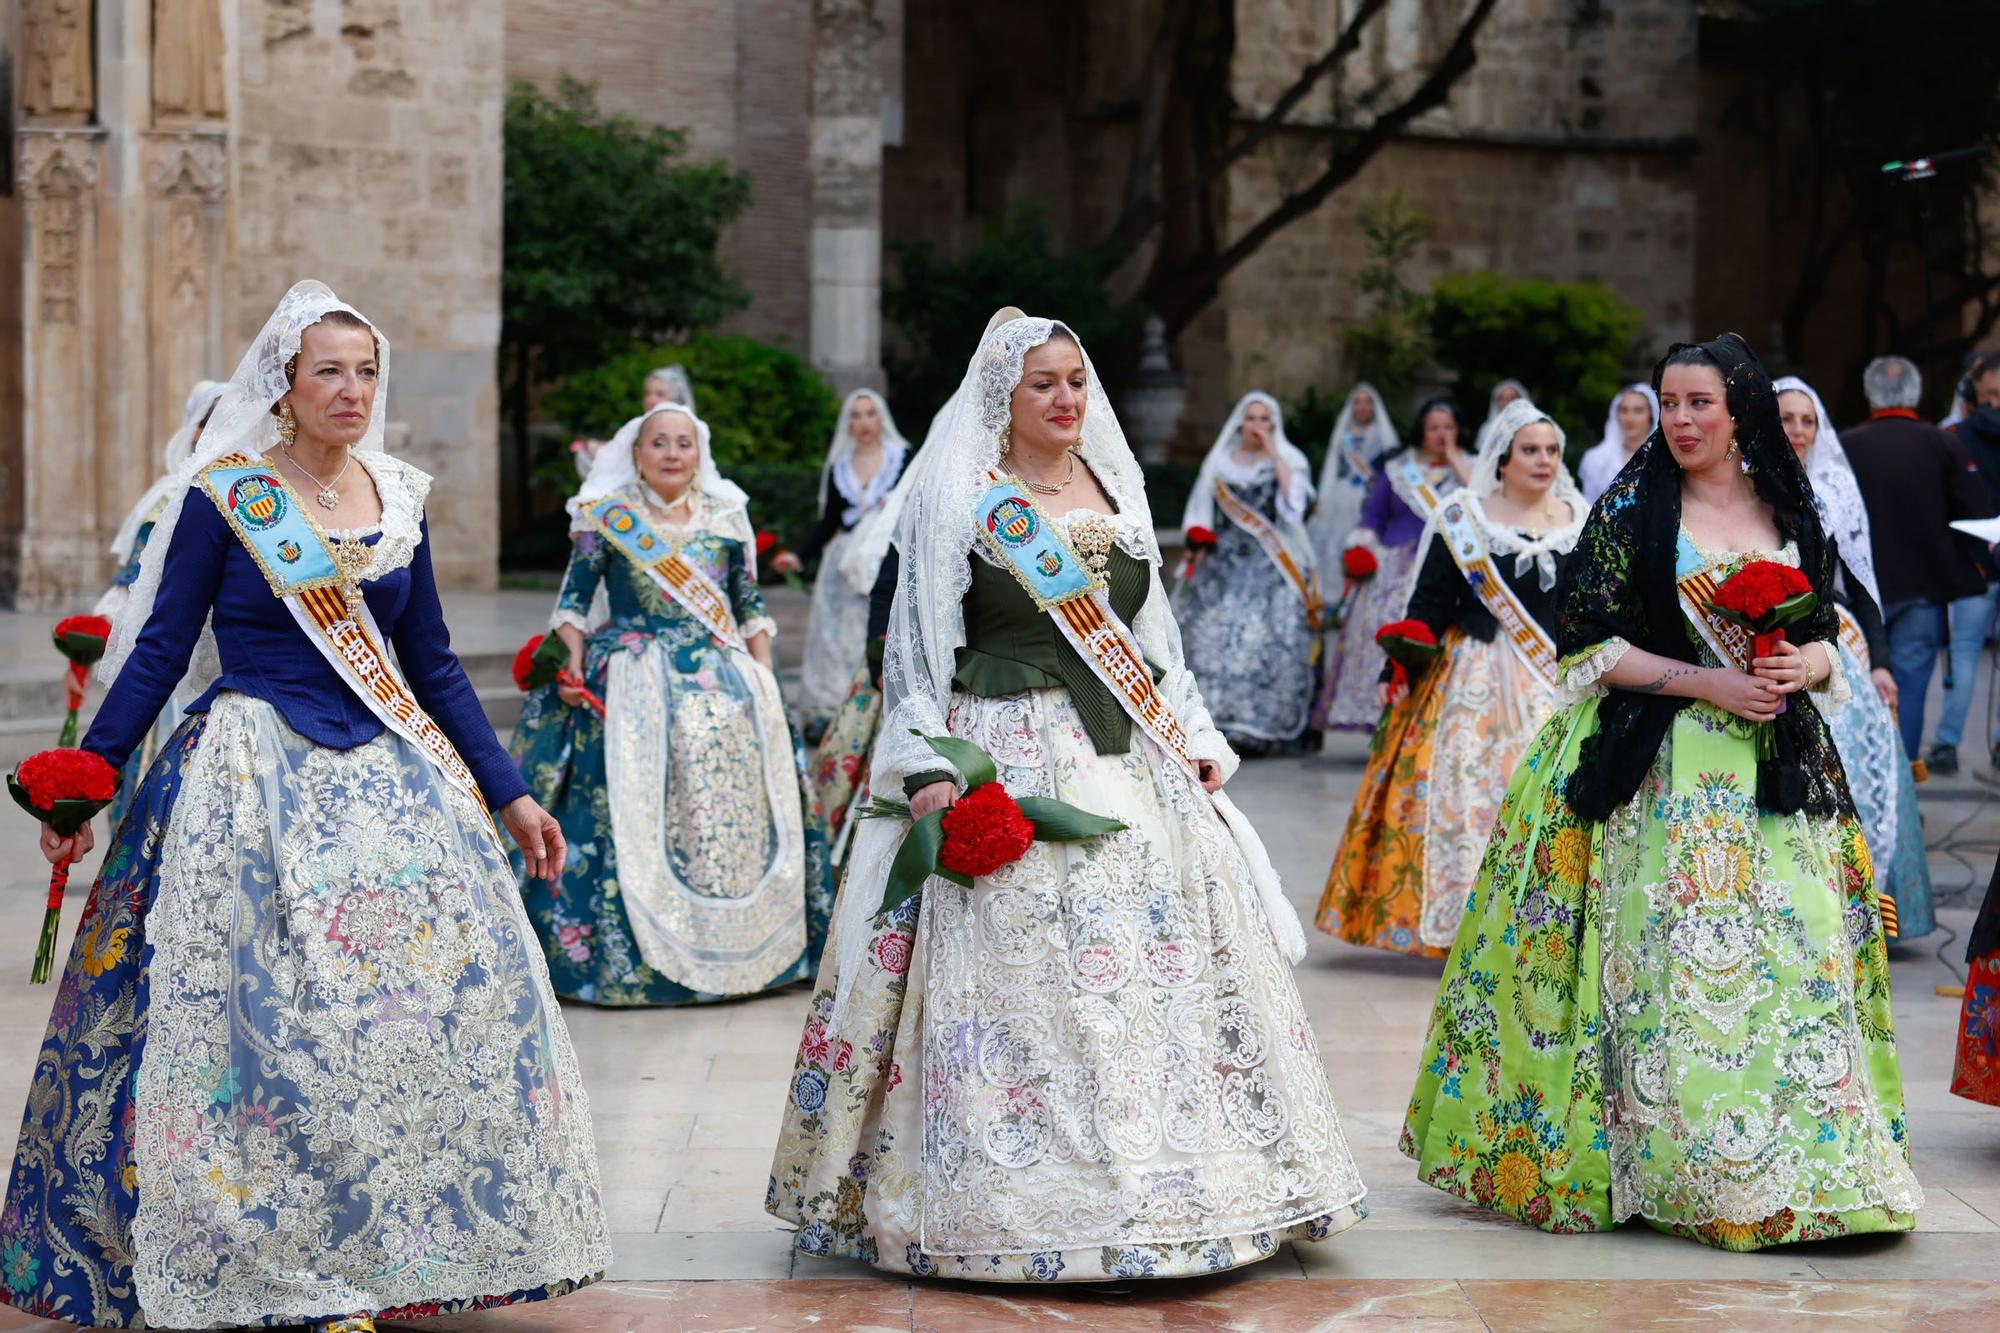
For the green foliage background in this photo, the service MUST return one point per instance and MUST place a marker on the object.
(1569, 342)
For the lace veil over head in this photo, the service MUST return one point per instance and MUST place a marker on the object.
(179, 445)
(1836, 493)
(1613, 437)
(1538, 552)
(1220, 465)
(674, 379)
(241, 422)
(840, 455)
(728, 507)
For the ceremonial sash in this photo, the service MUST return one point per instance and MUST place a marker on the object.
(620, 523)
(1357, 460)
(1850, 634)
(1022, 539)
(1254, 523)
(1729, 641)
(1465, 538)
(1409, 480)
(305, 572)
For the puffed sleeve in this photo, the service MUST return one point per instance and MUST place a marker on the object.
(423, 650)
(587, 557)
(746, 599)
(188, 583)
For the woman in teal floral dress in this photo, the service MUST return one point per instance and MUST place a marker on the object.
(1669, 995)
(681, 801)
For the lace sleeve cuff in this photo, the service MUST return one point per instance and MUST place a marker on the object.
(1834, 693)
(563, 616)
(760, 625)
(1580, 675)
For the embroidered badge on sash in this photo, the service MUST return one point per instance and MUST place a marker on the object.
(633, 537)
(1466, 542)
(267, 518)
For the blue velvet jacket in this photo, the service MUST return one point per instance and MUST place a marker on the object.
(265, 654)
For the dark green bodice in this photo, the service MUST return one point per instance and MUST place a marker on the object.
(1010, 646)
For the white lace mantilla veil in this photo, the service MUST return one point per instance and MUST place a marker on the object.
(727, 506)
(1539, 553)
(680, 389)
(1218, 465)
(179, 445)
(1340, 498)
(894, 448)
(241, 423)
(1613, 436)
(1842, 512)
(936, 534)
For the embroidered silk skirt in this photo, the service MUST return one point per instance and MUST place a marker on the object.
(1092, 1064)
(1437, 769)
(1243, 625)
(837, 781)
(1348, 700)
(836, 635)
(304, 1060)
(1680, 1014)
(685, 822)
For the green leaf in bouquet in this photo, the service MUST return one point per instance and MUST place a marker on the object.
(548, 660)
(65, 818)
(1410, 652)
(971, 761)
(1794, 609)
(1736, 618)
(84, 649)
(916, 861)
(1059, 821)
(20, 795)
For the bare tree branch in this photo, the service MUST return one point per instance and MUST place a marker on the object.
(1195, 285)
(1155, 85)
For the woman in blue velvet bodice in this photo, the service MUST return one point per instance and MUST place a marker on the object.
(195, 1157)
(682, 801)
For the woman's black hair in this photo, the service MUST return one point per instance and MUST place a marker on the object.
(1445, 405)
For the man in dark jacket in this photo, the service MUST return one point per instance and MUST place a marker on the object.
(1977, 432)
(1915, 479)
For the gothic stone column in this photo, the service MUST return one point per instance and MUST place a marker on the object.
(62, 560)
(846, 158)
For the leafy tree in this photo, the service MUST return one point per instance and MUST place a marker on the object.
(939, 304)
(1569, 342)
(609, 234)
(1391, 346)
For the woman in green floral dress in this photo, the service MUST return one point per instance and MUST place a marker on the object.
(1669, 996)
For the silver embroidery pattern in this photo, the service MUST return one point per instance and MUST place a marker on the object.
(356, 1091)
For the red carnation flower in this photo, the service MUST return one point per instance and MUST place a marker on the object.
(524, 662)
(81, 638)
(1200, 536)
(66, 775)
(1415, 631)
(984, 831)
(1759, 588)
(765, 541)
(1359, 563)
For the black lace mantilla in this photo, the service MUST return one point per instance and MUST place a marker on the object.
(1620, 582)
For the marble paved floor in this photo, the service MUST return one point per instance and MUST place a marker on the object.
(687, 1102)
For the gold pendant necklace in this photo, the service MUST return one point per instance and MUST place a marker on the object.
(328, 497)
(1044, 488)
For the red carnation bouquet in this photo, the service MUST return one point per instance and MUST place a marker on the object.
(1763, 597)
(1357, 565)
(63, 788)
(1199, 542)
(543, 659)
(1411, 647)
(986, 829)
(81, 639)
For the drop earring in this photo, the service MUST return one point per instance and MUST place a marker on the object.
(288, 425)
(1006, 439)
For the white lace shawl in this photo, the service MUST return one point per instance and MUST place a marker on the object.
(1836, 492)
(179, 445)
(838, 473)
(1221, 464)
(241, 423)
(1342, 486)
(1600, 463)
(936, 535)
(1538, 552)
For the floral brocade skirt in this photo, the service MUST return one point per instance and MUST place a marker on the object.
(1885, 797)
(1681, 1014)
(304, 1061)
(708, 895)
(1348, 700)
(1437, 770)
(1092, 1064)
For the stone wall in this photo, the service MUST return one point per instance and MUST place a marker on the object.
(1567, 154)
(368, 155)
